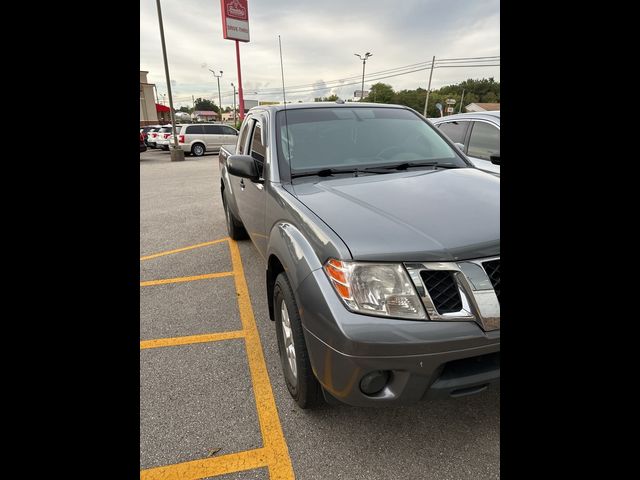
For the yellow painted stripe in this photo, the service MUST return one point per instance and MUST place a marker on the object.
(185, 279)
(169, 252)
(207, 337)
(279, 462)
(209, 467)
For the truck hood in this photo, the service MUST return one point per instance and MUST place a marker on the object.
(433, 215)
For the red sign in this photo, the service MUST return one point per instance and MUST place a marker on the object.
(235, 20)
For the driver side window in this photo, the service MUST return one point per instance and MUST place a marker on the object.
(258, 151)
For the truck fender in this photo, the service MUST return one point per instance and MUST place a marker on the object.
(289, 251)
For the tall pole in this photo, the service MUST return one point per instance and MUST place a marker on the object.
(241, 99)
(193, 99)
(219, 97)
(364, 60)
(177, 152)
(426, 102)
(235, 121)
(461, 99)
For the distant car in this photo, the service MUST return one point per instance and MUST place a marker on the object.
(143, 147)
(196, 139)
(164, 133)
(478, 134)
(152, 136)
(146, 130)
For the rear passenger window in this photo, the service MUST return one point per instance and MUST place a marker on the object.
(228, 131)
(484, 141)
(212, 129)
(257, 149)
(454, 130)
(194, 130)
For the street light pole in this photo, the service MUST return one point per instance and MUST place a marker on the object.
(235, 121)
(176, 153)
(219, 97)
(364, 61)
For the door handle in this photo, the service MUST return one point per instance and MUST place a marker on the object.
(242, 183)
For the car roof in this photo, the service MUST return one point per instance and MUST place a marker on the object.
(492, 115)
(338, 104)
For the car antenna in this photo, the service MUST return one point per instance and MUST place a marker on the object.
(284, 98)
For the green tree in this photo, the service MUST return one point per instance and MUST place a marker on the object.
(380, 93)
(206, 105)
(185, 109)
(330, 98)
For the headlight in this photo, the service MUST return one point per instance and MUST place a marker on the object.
(383, 289)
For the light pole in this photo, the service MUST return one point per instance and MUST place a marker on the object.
(364, 61)
(176, 152)
(235, 122)
(219, 97)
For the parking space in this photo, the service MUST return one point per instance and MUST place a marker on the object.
(213, 403)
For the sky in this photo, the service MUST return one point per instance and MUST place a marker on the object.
(319, 40)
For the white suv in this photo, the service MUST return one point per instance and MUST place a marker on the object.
(164, 135)
(198, 138)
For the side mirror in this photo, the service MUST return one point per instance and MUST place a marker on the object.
(495, 159)
(243, 166)
(460, 146)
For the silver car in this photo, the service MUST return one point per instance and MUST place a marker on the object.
(198, 138)
(477, 135)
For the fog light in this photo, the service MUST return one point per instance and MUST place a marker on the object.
(374, 382)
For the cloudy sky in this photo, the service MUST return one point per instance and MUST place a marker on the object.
(319, 40)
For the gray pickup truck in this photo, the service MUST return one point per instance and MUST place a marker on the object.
(381, 244)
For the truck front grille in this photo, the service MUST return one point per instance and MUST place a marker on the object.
(443, 290)
(493, 271)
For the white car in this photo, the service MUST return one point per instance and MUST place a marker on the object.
(478, 136)
(164, 133)
(198, 138)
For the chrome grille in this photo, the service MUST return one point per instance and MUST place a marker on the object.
(493, 271)
(443, 290)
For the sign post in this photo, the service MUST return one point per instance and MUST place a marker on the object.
(235, 26)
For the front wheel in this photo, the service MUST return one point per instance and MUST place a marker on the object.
(296, 367)
(197, 150)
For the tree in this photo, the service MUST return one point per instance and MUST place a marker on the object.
(330, 98)
(185, 109)
(206, 105)
(380, 93)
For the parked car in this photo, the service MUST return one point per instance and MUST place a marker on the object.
(382, 251)
(146, 130)
(152, 137)
(143, 147)
(478, 135)
(196, 139)
(164, 133)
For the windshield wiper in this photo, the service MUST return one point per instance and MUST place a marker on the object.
(405, 165)
(326, 172)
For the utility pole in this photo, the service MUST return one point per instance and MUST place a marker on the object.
(219, 97)
(235, 122)
(461, 99)
(193, 112)
(426, 102)
(364, 61)
(177, 154)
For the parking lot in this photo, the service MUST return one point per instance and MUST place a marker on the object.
(213, 403)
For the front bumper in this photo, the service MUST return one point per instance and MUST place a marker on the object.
(425, 359)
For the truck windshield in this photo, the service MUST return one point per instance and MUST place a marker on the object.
(320, 138)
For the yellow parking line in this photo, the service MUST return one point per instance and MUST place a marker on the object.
(209, 467)
(279, 462)
(169, 252)
(185, 279)
(207, 337)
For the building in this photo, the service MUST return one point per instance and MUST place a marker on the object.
(148, 112)
(205, 116)
(164, 114)
(482, 107)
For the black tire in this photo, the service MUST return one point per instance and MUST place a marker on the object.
(197, 149)
(302, 385)
(234, 226)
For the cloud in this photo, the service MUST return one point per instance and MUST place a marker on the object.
(318, 43)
